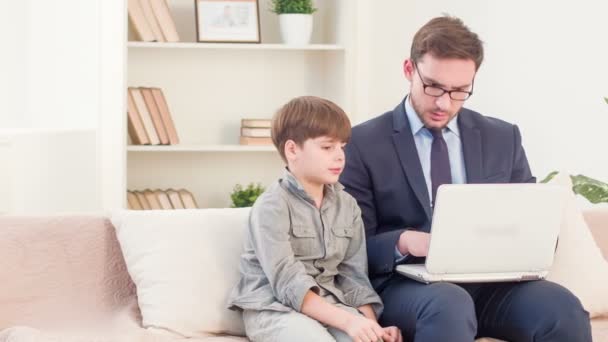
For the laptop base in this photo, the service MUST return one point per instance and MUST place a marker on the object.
(419, 273)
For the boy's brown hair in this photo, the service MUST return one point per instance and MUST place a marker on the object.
(447, 37)
(308, 117)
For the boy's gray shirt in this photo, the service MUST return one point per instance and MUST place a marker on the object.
(292, 247)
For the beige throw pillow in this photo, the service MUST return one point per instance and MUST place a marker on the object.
(184, 264)
(579, 264)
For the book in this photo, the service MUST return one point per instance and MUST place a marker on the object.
(165, 20)
(146, 118)
(152, 199)
(137, 131)
(151, 19)
(142, 200)
(163, 198)
(255, 132)
(187, 199)
(165, 115)
(175, 199)
(256, 123)
(155, 114)
(255, 141)
(133, 201)
(138, 21)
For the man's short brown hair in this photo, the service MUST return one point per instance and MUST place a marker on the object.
(447, 37)
(308, 117)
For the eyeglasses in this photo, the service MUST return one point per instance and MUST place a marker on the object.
(435, 91)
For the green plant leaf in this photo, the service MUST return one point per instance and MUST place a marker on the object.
(606, 99)
(593, 190)
(549, 177)
(292, 6)
(245, 197)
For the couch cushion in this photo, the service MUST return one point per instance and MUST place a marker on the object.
(597, 219)
(599, 327)
(184, 264)
(579, 264)
(599, 330)
(28, 334)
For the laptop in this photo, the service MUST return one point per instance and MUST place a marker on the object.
(491, 233)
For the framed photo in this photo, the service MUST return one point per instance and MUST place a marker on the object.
(227, 21)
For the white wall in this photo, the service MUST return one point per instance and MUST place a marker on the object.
(545, 70)
(46, 172)
(50, 64)
(50, 105)
(63, 64)
(13, 19)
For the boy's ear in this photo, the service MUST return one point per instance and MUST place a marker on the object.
(290, 149)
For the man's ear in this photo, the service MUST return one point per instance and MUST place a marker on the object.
(408, 69)
(290, 150)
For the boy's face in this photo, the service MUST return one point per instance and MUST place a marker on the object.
(318, 161)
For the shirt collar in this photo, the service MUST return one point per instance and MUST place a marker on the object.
(416, 124)
(330, 191)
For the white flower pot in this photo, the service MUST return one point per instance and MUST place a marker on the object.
(296, 29)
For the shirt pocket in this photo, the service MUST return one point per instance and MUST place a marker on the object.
(304, 241)
(342, 236)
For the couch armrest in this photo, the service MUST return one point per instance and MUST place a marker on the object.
(597, 220)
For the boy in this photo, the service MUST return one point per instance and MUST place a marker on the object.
(304, 269)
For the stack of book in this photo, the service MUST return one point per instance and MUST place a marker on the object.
(152, 21)
(255, 132)
(149, 119)
(161, 199)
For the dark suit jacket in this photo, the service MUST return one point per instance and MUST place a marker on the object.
(384, 174)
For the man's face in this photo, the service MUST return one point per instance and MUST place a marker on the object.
(448, 74)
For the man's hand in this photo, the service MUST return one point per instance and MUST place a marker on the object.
(392, 334)
(362, 329)
(414, 243)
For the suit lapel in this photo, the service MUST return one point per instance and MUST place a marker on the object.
(471, 147)
(408, 156)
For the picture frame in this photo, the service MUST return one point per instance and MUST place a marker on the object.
(227, 21)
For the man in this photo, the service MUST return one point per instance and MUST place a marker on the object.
(396, 161)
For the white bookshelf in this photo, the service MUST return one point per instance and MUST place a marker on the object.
(244, 46)
(199, 148)
(210, 87)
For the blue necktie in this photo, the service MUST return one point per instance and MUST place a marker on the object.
(440, 163)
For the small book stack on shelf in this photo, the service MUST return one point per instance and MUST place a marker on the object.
(255, 132)
(152, 21)
(161, 199)
(149, 119)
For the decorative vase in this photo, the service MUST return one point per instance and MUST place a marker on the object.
(296, 29)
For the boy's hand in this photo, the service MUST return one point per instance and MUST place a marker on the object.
(362, 329)
(392, 334)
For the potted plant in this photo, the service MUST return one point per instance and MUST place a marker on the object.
(593, 190)
(245, 197)
(295, 20)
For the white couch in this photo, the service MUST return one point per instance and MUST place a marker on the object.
(65, 278)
